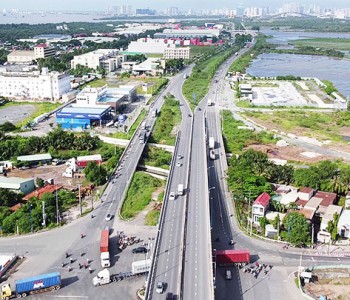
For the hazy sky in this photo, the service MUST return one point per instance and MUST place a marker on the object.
(102, 5)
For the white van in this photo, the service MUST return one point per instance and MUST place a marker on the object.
(228, 274)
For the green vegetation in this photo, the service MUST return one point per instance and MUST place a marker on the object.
(296, 229)
(302, 24)
(169, 117)
(236, 140)
(98, 82)
(197, 85)
(307, 50)
(197, 51)
(152, 218)
(95, 173)
(3, 56)
(156, 157)
(261, 46)
(22, 216)
(325, 126)
(139, 194)
(329, 89)
(324, 43)
(128, 135)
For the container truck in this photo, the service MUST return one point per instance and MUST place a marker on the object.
(138, 268)
(232, 257)
(211, 143)
(104, 249)
(32, 285)
(180, 189)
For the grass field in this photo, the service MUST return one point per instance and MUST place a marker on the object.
(325, 43)
(319, 125)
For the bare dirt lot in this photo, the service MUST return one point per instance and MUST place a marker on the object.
(290, 153)
(338, 288)
(46, 172)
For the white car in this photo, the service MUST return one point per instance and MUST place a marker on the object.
(172, 196)
(178, 164)
(160, 287)
(109, 217)
(179, 156)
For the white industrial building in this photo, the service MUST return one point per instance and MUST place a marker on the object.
(149, 45)
(90, 96)
(28, 56)
(43, 85)
(173, 52)
(20, 185)
(109, 59)
(187, 33)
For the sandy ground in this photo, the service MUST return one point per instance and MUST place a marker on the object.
(338, 288)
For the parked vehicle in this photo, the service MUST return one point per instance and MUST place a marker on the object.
(104, 249)
(138, 268)
(211, 143)
(232, 257)
(209, 102)
(180, 189)
(185, 76)
(109, 216)
(228, 274)
(32, 285)
(139, 250)
(141, 266)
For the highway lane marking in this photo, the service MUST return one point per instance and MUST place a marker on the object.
(69, 297)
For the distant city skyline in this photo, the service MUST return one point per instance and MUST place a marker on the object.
(95, 5)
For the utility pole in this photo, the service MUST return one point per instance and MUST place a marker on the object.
(44, 215)
(57, 212)
(31, 218)
(249, 214)
(81, 209)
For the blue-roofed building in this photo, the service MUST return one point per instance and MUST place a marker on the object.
(79, 117)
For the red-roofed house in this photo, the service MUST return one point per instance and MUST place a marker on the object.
(15, 207)
(50, 188)
(327, 198)
(260, 207)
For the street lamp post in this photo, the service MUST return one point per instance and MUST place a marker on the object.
(31, 218)
(57, 212)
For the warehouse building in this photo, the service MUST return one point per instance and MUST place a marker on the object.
(16, 184)
(187, 33)
(36, 159)
(76, 117)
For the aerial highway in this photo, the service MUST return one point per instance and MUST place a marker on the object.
(169, 252)
(45, 251)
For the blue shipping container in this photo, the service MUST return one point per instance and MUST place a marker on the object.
(38, 282)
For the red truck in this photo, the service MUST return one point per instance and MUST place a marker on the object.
(232, 257)
(104, 249)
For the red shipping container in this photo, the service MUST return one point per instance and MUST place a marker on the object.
(230, 257)
(104, 241)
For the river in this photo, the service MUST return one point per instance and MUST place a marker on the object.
(273, 64)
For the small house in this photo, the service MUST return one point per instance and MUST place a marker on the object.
(260, 207)
(305, 193)
(347, 200)
(344, 224)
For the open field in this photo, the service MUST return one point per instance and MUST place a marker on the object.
(325, 43)
(333, 127)
(17, 112)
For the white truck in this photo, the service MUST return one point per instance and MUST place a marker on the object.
(180, 189)
(105, 276)
(154, 113)
(211, 143)
(210, 102)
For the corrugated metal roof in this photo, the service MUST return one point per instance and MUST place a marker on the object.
(89, 157)
(87, 110)
(35, 157)
(12, 182)
(263, 199)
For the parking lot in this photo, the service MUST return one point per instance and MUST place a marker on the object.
(15, 114)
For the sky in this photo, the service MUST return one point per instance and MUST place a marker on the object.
(102, 5)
